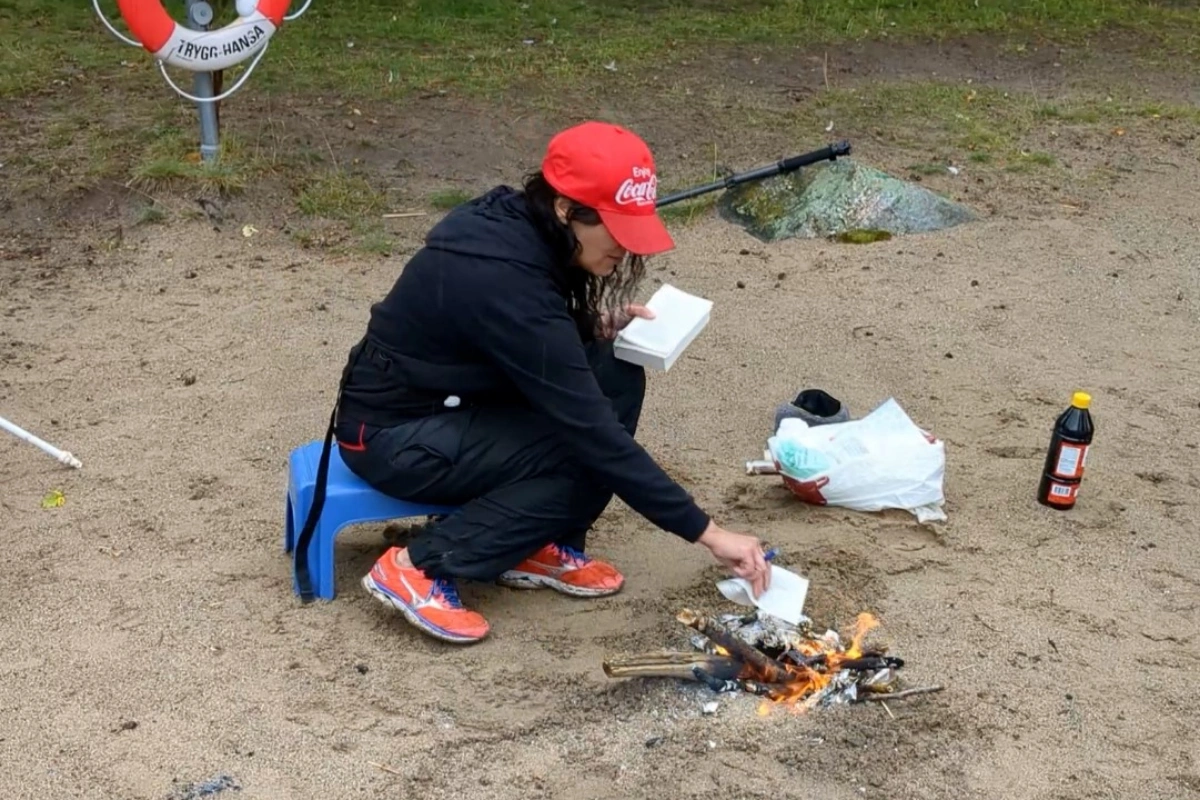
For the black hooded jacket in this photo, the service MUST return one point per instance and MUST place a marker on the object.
(480, 314)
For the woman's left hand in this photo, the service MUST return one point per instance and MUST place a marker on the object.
(611, 325)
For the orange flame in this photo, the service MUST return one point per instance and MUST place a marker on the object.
(805, 682)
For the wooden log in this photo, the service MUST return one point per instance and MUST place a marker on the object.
(765, 668)
(668, 664)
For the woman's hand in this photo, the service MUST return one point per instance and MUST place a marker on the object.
(742, 554)
(611, 324)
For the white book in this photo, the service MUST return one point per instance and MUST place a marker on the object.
(657, 343)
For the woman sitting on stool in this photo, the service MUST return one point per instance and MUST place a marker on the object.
(486, 380)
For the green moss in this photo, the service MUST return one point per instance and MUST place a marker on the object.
(764, 200)
(863, 236)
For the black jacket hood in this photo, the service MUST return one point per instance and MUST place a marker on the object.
(495, 225)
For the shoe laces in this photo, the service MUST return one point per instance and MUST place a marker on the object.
(569, 555)
(447, 592)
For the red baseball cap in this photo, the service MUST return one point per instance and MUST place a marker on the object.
(608, 168)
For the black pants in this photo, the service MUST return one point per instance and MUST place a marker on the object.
(518, 487)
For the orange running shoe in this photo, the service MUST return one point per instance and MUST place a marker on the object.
(566, 570)
(430, 605)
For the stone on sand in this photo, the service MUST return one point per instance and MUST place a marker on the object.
(837, 197)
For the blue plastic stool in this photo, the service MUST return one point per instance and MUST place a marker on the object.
(349, 500)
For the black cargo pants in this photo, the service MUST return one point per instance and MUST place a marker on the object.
(518, 486)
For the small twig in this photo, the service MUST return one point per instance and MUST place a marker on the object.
(883, 697)
(825, 70)
(885, 708)
(386, 768)
(405, 214)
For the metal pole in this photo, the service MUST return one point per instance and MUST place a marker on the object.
(830, 153)
(199, 17)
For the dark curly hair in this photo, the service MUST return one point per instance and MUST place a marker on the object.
(588, 295)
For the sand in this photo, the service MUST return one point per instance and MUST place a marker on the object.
(151, 638)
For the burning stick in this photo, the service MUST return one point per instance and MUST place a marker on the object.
(767, 668)
(738, 685)
(674, 665)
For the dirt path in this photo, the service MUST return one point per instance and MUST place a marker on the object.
(182, 361)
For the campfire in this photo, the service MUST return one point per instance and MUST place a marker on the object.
(787, 665)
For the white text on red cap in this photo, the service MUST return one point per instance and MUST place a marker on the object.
(641, 189)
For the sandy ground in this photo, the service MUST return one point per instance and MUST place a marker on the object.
(151, 638)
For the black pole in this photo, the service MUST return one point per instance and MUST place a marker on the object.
(830, 153)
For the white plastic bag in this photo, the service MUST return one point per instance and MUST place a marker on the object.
(880, 461)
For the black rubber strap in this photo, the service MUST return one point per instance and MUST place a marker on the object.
(300, 553)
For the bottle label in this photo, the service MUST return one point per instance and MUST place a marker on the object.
(1071, 460)
(1062, 494)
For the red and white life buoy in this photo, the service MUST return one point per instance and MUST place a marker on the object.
(203, 51)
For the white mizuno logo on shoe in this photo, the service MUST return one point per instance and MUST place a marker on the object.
(416, 600)
(555, 569)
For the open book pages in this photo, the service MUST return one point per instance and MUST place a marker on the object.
(657, 343)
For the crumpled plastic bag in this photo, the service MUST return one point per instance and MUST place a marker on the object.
(880, 461)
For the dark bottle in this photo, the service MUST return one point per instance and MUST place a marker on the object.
(1069, 444)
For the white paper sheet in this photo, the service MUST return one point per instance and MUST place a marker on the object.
(784, 600)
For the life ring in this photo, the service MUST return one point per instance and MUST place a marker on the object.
(203, 51)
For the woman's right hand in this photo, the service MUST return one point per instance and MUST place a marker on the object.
(741, 553)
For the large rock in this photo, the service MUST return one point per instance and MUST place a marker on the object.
(838, 197)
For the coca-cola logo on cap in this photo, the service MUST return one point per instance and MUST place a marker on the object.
(640, 190)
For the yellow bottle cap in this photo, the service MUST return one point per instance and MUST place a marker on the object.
(1081, 399)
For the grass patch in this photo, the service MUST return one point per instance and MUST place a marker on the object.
(448, 199)
(375, 240)
(110, 115)
(1030, 161)
(926, 169)
(983, 126)
(347, 211)
(386, 47)
(342, 238)
(151, 215)
(173, 157)
(82, 141)
(685, 212)
(340, 196)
